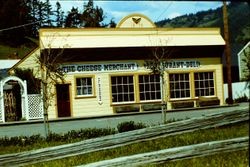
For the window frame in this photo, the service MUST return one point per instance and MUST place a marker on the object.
(139, 89)
(92, 84)
(214, 83)
(134, 89)
(190, 86)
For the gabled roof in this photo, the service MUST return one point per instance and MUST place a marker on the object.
(24, 59)
(248, 44)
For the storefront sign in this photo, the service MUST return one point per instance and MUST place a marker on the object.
(78, 68)
(181, 64)
(175, 64)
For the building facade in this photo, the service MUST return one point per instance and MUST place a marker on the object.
(109, 70)
(243, 58)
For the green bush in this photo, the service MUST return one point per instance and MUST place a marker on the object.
(129, 125)
(241, 99)
(68, 137)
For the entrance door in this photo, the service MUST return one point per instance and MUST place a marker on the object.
(63, 100)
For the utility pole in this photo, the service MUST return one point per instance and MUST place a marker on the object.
(227, 53)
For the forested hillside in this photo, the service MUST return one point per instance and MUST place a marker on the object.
(239, 27)
(239, 24)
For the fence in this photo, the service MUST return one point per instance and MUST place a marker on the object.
(35, 106)
(239, 89)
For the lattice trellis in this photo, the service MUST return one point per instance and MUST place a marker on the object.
(1, 112)
(35, 106)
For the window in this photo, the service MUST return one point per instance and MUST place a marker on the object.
(149, 86)
(204, 84)
(84, 86)
(179, 85)
(122, 88)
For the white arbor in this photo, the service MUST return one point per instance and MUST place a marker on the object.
(24, 97)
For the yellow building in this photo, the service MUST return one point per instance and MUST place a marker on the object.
(106, 70)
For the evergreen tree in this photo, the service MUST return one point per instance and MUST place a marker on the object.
(73, 18)
(59, 15)
(92, 16)
(48, 14)
(112, 24)
(12, 15)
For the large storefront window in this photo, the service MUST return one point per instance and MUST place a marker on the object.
(149, 86)
(179, 85)
(122, 89)
(204, 84)
(84, 86)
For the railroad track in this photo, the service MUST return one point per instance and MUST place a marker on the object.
(122, 139)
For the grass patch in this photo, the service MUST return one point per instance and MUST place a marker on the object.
(219, 133)
(230, 159)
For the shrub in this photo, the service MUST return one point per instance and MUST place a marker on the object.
(70, 136)
(129, 126)
(243, 98)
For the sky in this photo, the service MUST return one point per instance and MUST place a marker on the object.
(155, 10)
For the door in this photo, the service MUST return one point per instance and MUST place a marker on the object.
(63, 100)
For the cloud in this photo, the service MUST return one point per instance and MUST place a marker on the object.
(173, 15)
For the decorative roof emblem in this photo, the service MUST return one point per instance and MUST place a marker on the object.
(136, 20)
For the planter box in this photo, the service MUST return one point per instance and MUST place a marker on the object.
(207, 101)
(151, 107)
(126, 108)
(182, 104)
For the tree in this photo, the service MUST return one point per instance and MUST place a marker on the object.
(13, 13)
(157, 65)
(50, 60)
(246, 60)
(92, 16)
(59, 15)
(48, 13)
(34, 84)
(73, 18)
(112, 24)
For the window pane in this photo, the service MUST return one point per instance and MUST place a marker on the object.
(149, 84)
(84, 86)
(179, 86)
(206, 84)
(122, 88)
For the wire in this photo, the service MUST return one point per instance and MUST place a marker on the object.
(164, 10)
(15, 27)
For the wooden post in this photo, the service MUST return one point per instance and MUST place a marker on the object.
(227, 53)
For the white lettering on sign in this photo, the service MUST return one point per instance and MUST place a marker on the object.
(174, 64)
(78, 68)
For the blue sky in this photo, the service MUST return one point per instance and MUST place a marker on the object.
(155, 10)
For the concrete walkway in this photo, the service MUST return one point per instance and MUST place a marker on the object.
(28, 128)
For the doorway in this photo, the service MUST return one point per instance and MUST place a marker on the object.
(63, 100)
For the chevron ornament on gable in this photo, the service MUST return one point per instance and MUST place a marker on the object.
(136, 20)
